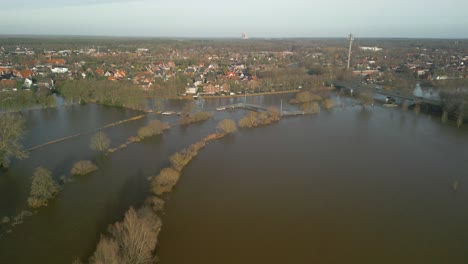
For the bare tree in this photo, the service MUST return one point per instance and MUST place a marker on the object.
(166, 180)
(43, 188)
(154, 128)
(136, 238)
(227, 126)
(100, 142)
(83, 167)
(107, 251)
(131, 241)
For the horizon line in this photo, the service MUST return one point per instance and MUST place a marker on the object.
(218, 37)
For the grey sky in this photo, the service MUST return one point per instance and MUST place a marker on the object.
(218, 18)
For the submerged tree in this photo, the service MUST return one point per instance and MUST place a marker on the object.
(43, 188)
(11, 131)
(100, 142)
(226, 126)
(83, 167)
(131, 241)
(154, 128)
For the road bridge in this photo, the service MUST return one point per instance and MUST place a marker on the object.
(404, 96)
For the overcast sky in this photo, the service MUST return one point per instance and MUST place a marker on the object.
(220, 18)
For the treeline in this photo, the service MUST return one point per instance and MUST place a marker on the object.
(25, 99)
(120, 94)
(134, 239)
(289, 78)
(11, 132)
(311, 102)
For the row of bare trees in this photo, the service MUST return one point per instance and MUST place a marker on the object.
(134, 239)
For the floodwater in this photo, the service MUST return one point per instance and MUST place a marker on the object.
(349, 186)
(344, 186)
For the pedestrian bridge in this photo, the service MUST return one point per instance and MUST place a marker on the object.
(258, 108)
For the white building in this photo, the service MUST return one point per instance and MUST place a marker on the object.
(191, 90)
(27, 83)
(59, 70)
(371, 48)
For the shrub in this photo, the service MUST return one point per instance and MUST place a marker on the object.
(83, 167)
(165, 181)
(305, 97)
(212, 137)
(43, 188)
(311, 108)
(180, 159)
(187, 119)
(155, 203)
(250, 120)
(154, 128)
(227, 126)
(253, 119)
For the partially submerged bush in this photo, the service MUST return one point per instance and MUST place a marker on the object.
(253, 119)
(43, 188)
(165, 181)
(226, 126)
(154, 128)
(155, 203)
(311, 108)
(187, 118)
(83, 167)
(180, 159)
(305, 97)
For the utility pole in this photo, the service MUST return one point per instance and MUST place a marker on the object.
(351, 38)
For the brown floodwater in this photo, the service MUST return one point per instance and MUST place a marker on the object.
(344, 186)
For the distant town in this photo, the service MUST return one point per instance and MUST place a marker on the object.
(227, 67)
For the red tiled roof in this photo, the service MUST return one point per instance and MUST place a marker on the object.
(26, 73)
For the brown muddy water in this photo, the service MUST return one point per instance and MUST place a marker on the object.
(346, 186)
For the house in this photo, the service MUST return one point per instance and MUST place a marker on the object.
(26, 73)
(226, 88)
(99, 72)
(27, 83)
(119, 74)
(4, 71)
(191, 90)
(210, 89)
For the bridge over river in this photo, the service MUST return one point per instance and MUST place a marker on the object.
(403, 96)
